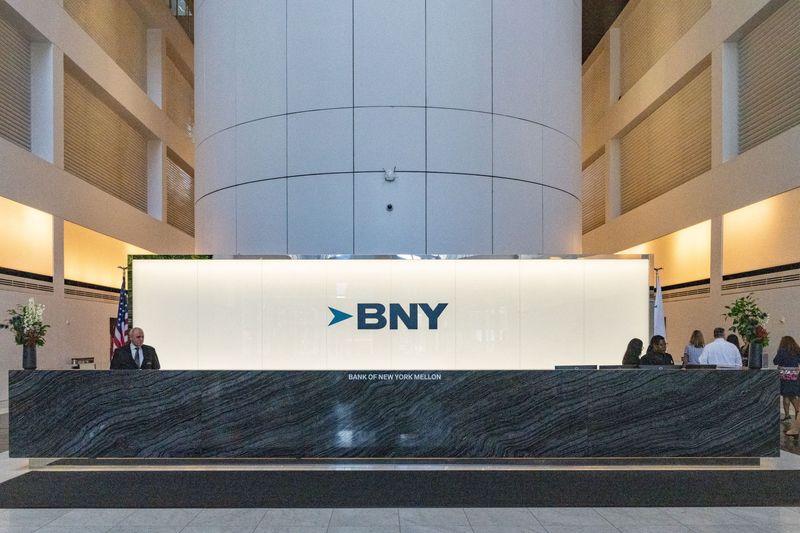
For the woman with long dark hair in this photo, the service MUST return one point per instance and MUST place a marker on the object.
(632, 352)
(788, 359)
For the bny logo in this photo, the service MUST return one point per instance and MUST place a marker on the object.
(373, 316)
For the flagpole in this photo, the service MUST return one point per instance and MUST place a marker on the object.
(120, 338)
(659, 325)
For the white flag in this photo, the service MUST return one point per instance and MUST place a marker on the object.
(659, 326)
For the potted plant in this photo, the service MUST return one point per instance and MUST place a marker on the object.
(29, 330)
(748, 322)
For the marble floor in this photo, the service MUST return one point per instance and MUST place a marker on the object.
(437, 520)
(481, 520)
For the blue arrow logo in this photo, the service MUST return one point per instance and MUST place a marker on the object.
(338, 316)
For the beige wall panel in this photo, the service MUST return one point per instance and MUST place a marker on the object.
(101, 147)
(649, 28)
(669, 147)
(178, 97)
(783, 307)
(683, 255)
(78, 328)
(119, 31)
(15, 85)
(92, 257)
(26, 239)
(762, 235)
(686, 315)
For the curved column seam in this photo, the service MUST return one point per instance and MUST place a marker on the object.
(510, 178)
(388, 107)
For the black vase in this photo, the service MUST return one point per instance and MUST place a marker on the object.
(29, 357)
(754, 357)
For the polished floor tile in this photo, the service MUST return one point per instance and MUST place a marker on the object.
(74, 529)
(414, 528)
(568, 516)
(426, 520)
(141, 529)
(365, 518)
(502, 517)
(28, 518)
(766, 516)
(433, 517)
(296, 518)
(364, 529)
(703, 516)
(229, 517)
(637, 516)
(508, 529)
(750, 528)
(291, 529)
(162, 517)
(654, 529)
(217, 529)
(608, 528)
(92, 517)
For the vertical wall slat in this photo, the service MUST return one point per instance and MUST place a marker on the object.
(650, 28)
(670, 146)
(180, 198)
(595, 177)
(118, 29)
(769, 77)
(101, 147)
(15, 85)
(595, 88)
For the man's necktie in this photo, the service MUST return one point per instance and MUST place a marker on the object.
(138, 358)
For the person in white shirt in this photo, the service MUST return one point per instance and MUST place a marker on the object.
(721, 352)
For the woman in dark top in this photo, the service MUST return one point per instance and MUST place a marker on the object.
(657, 353)
(733, 339)
(632, 352)
(788, 357)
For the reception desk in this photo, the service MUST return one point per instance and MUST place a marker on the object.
(395, 414)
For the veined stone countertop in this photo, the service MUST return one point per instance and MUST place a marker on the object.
(394, 414)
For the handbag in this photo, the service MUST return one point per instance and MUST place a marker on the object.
(789, 373)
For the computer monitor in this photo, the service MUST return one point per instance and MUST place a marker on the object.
(615, 367)
(576, 367)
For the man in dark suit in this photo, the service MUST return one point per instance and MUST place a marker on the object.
(135, 355)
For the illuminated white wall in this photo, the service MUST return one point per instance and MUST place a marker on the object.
(501, 314)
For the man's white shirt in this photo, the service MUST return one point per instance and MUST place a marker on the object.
(721, 353)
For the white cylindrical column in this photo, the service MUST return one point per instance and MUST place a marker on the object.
(388, 127)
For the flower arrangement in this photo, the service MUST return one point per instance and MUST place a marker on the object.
(26, 323)
(748, 320)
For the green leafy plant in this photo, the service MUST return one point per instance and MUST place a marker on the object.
(27, 325)
(748, 320)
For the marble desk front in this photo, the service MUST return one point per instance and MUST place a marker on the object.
(394, 414)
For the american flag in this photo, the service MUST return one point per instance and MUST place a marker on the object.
(121, 331)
